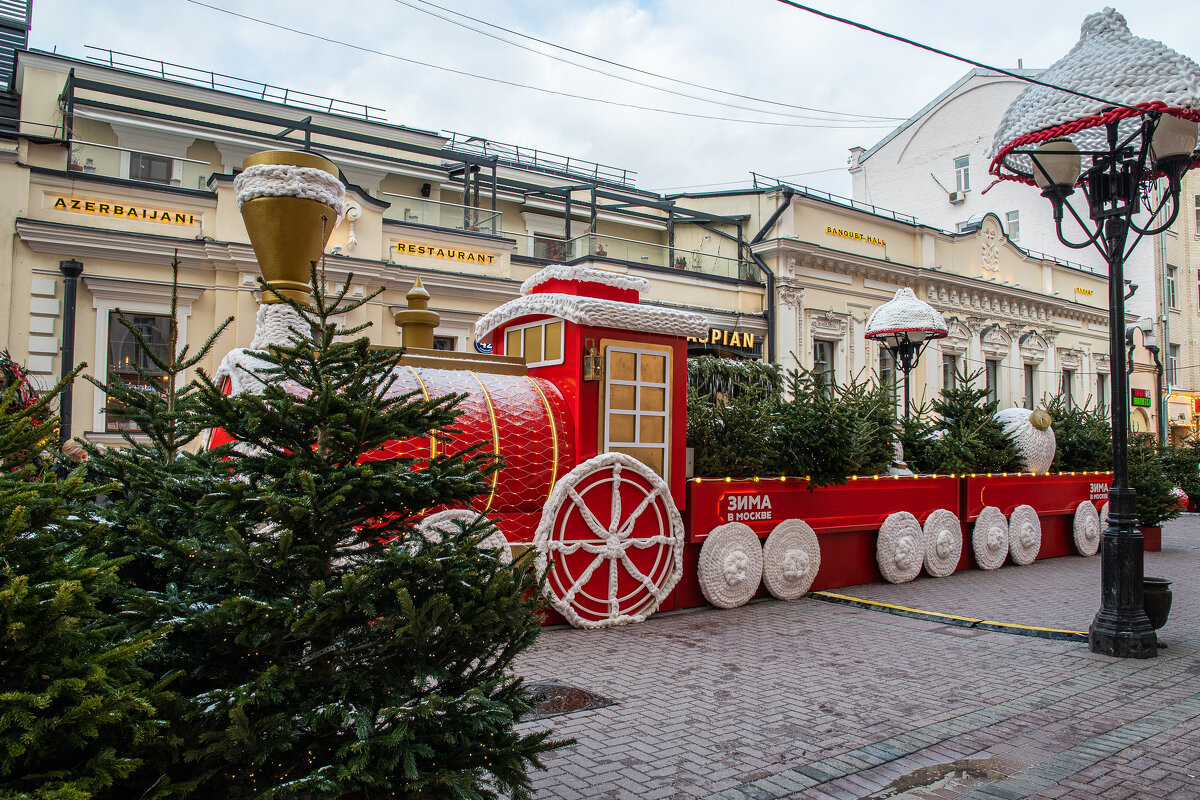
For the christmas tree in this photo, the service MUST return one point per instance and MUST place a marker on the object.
(960, 435)
(75, 709)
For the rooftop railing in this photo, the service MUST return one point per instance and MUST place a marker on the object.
(423, 211)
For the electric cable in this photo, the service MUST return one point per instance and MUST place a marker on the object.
(748, 180)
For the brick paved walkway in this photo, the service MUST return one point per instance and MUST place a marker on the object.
(812, 700)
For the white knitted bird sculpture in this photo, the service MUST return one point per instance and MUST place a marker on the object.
(1030, 431)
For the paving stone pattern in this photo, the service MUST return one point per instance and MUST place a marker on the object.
(812, 700)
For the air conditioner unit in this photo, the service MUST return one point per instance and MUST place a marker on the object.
(957, 197)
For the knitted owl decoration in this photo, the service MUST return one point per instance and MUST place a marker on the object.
(1030, 431)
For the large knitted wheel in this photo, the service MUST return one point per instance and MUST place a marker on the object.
(455, 520)
(1087, 529)
(609, 543)
(943, 543)
(791, 558)
(900, 548)
(731, 565)
(1024, 535)
(990, 538)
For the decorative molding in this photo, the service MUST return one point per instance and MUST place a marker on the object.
(996, 343)
(990, 244)
(957, 338)
(1033, 348)
(791, 296)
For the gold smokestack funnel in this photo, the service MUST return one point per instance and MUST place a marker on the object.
(417, 321)
(290, 203)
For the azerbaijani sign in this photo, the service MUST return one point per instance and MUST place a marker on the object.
(109, 208)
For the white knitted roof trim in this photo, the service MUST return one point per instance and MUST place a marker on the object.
(791, 559)
(1086, 529)
(1036, 447)
(563, 272)
(1107, 62)
(730, 565)
(610, 545)
(900, 548)
(1024, 535)
(596, 312)
(242, 366)
(990, 538)
(943, 543)
(286, 180)
(455, 520)
(906, 312)
(279, 325)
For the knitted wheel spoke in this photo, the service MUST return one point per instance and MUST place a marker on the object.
(900, 548)
(1024, 535)
(943, 543)
(989, 540)
(1087, 529)
(791, 559)
(731, 565)
(610, 542)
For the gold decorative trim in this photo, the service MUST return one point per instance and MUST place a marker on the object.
(553, 436)
(487, 398)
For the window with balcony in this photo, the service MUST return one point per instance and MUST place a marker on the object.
(962, 173)
(553, 248)
(151, 168)
(126, 357)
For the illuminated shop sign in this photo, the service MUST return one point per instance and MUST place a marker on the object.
(727, 338)
(1081, 290)
(1140, 397)
(858, 237)
(427, 250)
(109, 208)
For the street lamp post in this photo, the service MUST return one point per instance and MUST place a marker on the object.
(1131, 109)
(905, 325)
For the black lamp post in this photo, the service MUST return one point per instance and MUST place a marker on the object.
(1139, 132)
(905, 326)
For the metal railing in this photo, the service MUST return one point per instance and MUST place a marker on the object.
(765, 181)
(635, 252)
(532, 158)
(423, 211)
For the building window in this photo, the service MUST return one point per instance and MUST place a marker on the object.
(992, 375)
(444, 342)
(949, 368)
(1013, 222)
(539, 343)
(1101, 390)
(1068, 393)
(1172, 297)
(1173, 365)
(153, 169)
(887, 372)
(962, 173)
(637, 388)
(550, 247)
(823, 364)
(126, 357)
(1196, 199)
(1030, 397)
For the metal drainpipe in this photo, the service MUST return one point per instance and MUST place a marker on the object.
(1166, 339)
(758, 237)
(71, 270)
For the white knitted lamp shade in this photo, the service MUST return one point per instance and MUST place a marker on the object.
(1035, 444)
(731, 565)
(1111, 64)
(943, 543)
(1086, 529)
(906, 313)
(1024, 535)
(900, 548)
(791, 558)
(989, 541)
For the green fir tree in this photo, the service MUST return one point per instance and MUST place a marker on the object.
(959, 433)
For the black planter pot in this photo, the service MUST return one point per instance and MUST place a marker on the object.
(1156, 594)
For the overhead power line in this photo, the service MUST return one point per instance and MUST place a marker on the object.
(850, 125)
(826, 112)
(749, 180)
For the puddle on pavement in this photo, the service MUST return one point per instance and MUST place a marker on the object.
(934, 780)
(552, 698)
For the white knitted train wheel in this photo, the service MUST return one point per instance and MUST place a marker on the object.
(900, 548)
(990, 538)
(1087, 529)
(610, 542)
(943, 543)
(791, 558)
(731, 565)
(1024, 535)
(1104, 517)
(455, 520)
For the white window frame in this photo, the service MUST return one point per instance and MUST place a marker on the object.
(562, 336)
(1102, 389)
(962, 173)
(993, 385)
(833, 349)
(637, 412)
(1172, 288)
(1029, 381)
(1012, 221)
(1068, 387)
(948, 378)
(1172, 365)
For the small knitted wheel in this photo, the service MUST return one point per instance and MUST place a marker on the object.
(943, 543)
(1024, 535)
(731, 565)
(900, 548)
(1087, 529)
(1104, 516)
(455, 520)
(791, 558)
(990, 538)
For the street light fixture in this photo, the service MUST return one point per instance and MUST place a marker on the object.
(1133, 115)
(905, 325)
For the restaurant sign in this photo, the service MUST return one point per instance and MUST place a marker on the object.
(858, 237)
(109, 208)
(740, 343)
(429, 250)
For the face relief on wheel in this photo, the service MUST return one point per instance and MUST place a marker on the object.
(736, 564)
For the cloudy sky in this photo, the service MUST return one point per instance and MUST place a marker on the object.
(827, 86)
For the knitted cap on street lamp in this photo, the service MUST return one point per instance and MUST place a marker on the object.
(1113, 65)
(905, 318)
